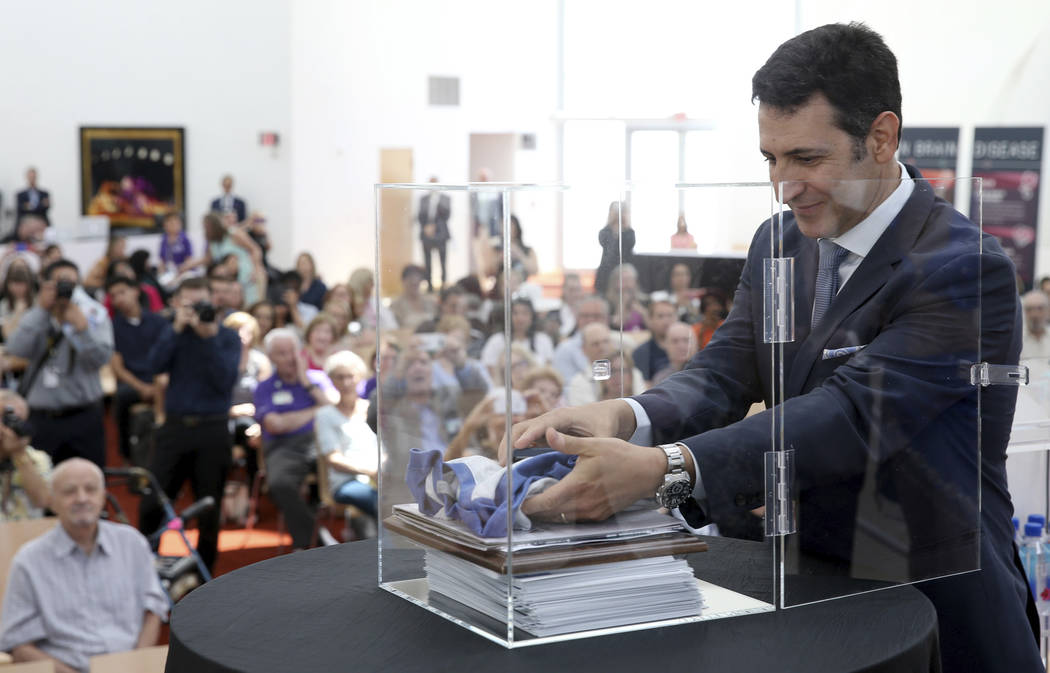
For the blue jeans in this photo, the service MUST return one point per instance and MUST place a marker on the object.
(361, 496)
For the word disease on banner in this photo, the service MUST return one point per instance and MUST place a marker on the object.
(1009, 161)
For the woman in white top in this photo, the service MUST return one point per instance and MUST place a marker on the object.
(345, 441)
(525, 334)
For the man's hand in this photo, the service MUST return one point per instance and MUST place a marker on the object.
(145, 391)
(11, 445)
(73, 316)
(609, 475)
(610, 418)
(184, 316)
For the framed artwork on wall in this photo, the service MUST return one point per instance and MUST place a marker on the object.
(132, 175)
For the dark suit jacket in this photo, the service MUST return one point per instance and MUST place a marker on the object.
(886, 439)
(441, 214)
(43, 203)
(238, 207)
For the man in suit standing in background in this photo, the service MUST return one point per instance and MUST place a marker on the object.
(32, 200)
(877, 405)
(434, 210)
(228, 202)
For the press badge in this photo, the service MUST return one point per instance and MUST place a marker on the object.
(49, 377)
(281, 398)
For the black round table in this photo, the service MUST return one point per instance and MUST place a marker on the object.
(321, 610)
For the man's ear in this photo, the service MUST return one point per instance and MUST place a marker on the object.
(882, 138)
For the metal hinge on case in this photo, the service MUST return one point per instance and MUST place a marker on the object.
(778, 300)
(780, 501)
(984, 374)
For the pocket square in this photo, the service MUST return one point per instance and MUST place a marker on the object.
(830, 353)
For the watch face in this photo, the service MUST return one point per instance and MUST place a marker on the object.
(674, 492)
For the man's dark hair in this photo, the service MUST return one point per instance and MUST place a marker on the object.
(113, 281)
(51, 268)
(216, 271)
(195, 283)
(850, 64)
(411, 269)
(291, 280)
(452, 290)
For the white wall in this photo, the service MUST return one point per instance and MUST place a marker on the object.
(219, 69)
(359, 83)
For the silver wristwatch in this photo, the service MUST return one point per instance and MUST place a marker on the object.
(676, 488)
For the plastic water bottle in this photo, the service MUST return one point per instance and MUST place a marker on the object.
(1033, 558)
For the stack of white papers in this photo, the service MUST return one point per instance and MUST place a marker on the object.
(572, 599)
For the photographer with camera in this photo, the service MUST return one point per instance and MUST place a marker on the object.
(24, 471)
(201, 358)
(66, 338)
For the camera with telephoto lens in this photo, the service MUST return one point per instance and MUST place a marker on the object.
(205, 311)
(15, 422)
(64, 289)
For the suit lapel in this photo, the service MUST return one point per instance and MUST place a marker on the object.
(873, 272)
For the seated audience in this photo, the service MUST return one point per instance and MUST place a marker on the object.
(148, 295)
(618, 385)
(384, 360)
(547, 385)
(525, 333)
(681, 347)
(569, 359)
(1036, 341)
(453, 365)
(223, 240)
(344, 440)
(300, 313)
(522, 361)
(625, 298)
(116, 250)
(26, 242)
(320, 336)
(571, 296)
(175, 247)
(252, 368)
(16, 296)
(597, 344)
(521, 254)
(87, 587)
(413, 307)
(134, 333)
(416, 415)
(683, 295)
(25, 472)
(363, 301)
(312, 289)
(264, 314)
(66, 338)
(52, 253)
(713, 312)
(139, 261)
(285, 407)
(339, 313)
(651, 356)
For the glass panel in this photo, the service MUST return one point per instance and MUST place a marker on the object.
(564, 560)
(878, 406)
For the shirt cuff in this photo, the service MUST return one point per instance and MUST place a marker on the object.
(643, 436)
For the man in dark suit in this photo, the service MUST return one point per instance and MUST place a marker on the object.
(227, 202)
(434, 210)
(894, 299)
(32, 200)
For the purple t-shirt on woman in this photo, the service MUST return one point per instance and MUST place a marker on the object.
(178, 252)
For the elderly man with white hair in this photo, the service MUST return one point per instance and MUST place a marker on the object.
(285, 407)
(86, 587)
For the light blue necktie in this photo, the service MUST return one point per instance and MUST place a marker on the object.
(831, 255)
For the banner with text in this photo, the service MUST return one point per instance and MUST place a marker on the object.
(935, 152)
(1009, 160)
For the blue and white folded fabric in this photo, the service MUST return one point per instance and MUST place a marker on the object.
(473, 490)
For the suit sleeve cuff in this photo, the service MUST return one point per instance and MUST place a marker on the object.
(643, 436)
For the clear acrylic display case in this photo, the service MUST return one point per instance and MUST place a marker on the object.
(460, 376)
